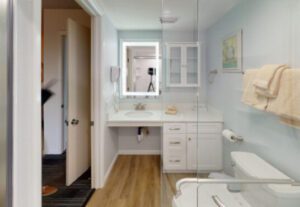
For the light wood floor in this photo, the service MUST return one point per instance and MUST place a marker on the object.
(135, 181)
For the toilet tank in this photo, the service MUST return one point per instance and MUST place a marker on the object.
(250, 166)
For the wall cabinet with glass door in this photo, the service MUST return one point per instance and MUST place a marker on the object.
(183, 65)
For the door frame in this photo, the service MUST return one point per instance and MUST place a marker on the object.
(27, 167)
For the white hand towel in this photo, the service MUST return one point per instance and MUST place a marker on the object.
(290, 122)
(272, 90)
(265, 75)
(250, 97)
(287, 103)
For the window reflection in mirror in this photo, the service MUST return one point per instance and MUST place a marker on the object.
(140, 68)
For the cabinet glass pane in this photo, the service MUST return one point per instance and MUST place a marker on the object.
(192, 65)
(175, 65)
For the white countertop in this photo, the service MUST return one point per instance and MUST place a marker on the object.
(158, 117)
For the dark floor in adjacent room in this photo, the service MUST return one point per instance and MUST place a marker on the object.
(75, 195)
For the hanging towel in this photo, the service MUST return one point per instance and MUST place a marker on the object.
(266, 75)
(290, 122)
(287, 103)
(250, 97)
(272, 90)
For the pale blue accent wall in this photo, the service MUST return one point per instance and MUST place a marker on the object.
(271, 32)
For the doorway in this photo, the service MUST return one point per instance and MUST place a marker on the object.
(66, 76)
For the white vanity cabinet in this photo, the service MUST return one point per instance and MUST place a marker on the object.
(183, 65)
(191, 147)
(174, 146)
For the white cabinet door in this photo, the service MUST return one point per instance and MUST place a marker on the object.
(192, 64)
(174, 62)
(209, 152)
(191, 152)
(183, 65)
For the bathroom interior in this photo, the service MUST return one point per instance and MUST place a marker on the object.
(201, 103)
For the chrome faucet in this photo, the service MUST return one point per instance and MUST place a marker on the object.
(139, 106)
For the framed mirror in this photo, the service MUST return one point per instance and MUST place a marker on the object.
(140, 68)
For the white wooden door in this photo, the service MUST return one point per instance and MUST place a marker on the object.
(78, 147)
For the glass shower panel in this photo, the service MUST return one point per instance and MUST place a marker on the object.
(179, 94)
(251, 142)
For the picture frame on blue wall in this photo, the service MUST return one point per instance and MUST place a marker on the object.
(232, 53)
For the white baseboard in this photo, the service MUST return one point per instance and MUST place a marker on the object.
(110, 168)
(139, 152)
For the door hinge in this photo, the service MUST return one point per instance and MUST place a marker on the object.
(92, 123)
(67, 122)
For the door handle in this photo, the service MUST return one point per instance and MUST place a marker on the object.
(75, 122)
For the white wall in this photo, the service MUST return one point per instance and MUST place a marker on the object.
(55, 24)
(270, 35)
(109, 57)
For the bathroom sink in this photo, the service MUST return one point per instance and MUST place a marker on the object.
(138, 114)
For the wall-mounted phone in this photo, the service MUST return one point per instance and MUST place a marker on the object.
(114, 73)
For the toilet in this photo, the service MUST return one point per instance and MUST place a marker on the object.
(250, 166)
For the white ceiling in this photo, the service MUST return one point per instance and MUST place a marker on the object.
(144, 14)
(133, 14)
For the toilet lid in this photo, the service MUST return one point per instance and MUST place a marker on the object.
(256, 168)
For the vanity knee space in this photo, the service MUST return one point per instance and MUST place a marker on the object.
(188, 147)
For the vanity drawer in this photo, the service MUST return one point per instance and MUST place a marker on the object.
(174, 128)
(173, 141)
(175, 144)
(210, 128)
(175, 163)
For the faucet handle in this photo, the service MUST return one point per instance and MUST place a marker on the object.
(139, 106)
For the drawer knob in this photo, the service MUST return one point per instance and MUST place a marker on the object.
(190, 139)
(175, 142)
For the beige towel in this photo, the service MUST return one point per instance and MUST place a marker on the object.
(290, 122)
(171, 110)
(250, 97)
(272, 90)
(287, 103)
(266, 75)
